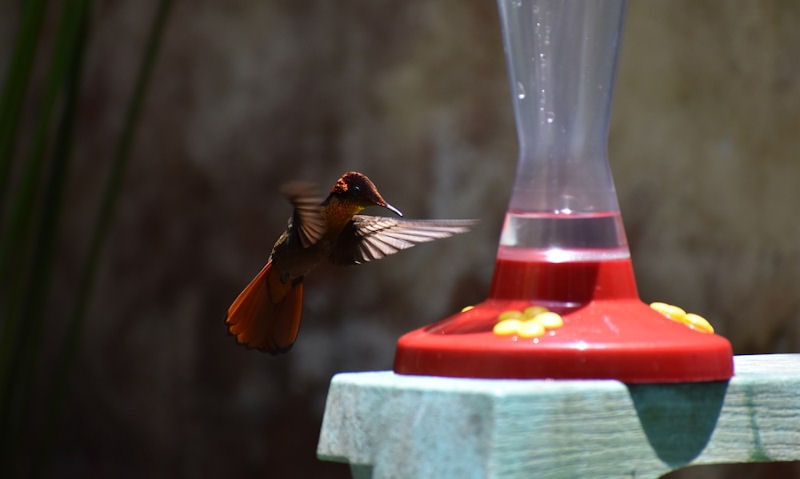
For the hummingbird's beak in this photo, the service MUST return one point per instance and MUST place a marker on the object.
(393, 209)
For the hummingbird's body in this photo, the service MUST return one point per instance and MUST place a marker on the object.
(266, 314)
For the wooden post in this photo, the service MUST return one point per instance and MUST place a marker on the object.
(387, 425)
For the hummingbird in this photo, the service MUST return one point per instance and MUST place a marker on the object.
(266, 315)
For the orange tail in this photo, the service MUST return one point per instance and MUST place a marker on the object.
(266, 314)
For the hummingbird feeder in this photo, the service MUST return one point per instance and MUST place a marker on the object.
(563, 247)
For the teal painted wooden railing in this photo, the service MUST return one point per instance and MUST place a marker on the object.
(393, 426)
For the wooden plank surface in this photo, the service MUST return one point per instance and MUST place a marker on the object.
(387, 425)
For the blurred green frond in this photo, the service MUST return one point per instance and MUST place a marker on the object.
(31, 216)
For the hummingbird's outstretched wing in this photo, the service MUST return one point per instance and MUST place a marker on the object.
(368, 238)
(307, 218)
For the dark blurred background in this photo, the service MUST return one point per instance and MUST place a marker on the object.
(247, 95)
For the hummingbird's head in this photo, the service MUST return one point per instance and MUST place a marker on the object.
(354, 187)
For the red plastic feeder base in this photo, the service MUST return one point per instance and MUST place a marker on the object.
(608, 333)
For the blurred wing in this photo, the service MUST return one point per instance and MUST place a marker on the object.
(307, 217)
(368, 238)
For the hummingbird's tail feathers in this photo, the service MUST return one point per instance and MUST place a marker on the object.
(367, 238)
(266, 315)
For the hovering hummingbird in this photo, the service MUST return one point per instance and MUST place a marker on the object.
(266, 314)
